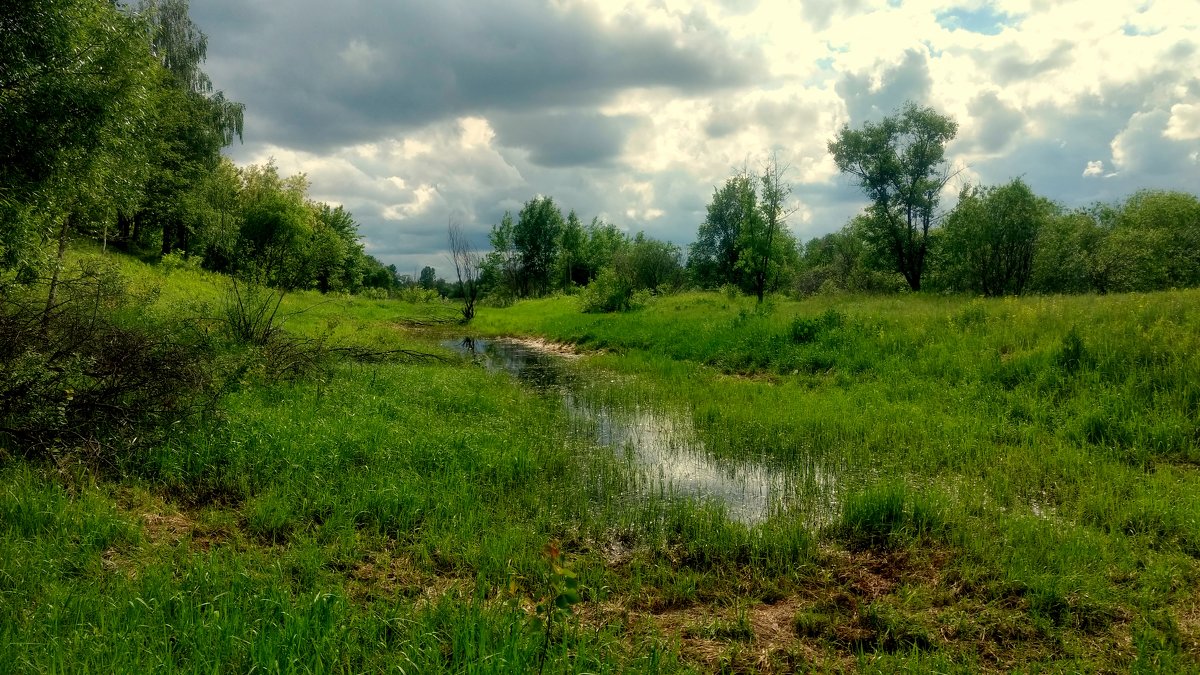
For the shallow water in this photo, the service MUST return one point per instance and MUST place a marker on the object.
(661, 446)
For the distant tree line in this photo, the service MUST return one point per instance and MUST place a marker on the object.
(541, 252)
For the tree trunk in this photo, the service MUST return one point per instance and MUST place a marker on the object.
(51, 295)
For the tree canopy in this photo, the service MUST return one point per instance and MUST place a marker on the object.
(900, 164)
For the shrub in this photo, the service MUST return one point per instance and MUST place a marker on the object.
(609, 292)
(808, 329)
(1072, 356)
(96, 369)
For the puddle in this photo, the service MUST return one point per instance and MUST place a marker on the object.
(670, 460)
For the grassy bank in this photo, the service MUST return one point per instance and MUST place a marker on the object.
(1009, 484)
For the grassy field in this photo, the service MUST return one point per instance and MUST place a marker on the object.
(1008, 485)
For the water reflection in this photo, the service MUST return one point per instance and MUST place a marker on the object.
(663, 447)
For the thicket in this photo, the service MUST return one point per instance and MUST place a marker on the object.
(95, 370)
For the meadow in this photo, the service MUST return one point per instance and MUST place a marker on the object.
(1007, 484)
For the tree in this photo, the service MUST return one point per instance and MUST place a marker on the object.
(713, 257)
(991, 236)
(1168, 225)
(536, 239)
(501, 267)
(428, 278)
(650, 264)
(336, 250)
(74, 83)
(900, 164)
(765, 247)
(467, 263)
(572, 268)
(1063, 261)
(193, 122)
(604, 242)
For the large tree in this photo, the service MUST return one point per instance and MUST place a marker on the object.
(766, 250)
(900, 164)
(536, 237)
(193, 122)
(991, 236)
(713, 257)
(74, 97)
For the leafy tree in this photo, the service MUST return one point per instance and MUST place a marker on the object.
(276, 228)
(572, 265)
(536, 239)
(428, 278)
(336, 250)
(764, 245)
(1065, 258)
(842, 261)
(991, 236)
(713, 257)
(193, 122)
(900, 165)
(650, 264)
(502, 266)
(604, 242)
(74, 83)
(1168, 226)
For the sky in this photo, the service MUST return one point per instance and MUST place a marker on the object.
(413, 114)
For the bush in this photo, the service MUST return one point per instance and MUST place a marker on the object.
(808, 329)
(609, 292)
(96, 369)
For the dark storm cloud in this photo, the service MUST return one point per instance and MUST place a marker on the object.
(907, 81)
(566, 138)
(321, 74)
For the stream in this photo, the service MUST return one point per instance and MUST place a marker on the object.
(661, 446)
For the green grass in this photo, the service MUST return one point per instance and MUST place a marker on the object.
(991, 485)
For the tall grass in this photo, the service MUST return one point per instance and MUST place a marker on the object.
(990, 485)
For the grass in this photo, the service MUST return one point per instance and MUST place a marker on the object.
(993, 485)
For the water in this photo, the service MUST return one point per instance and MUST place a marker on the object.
(662, 447)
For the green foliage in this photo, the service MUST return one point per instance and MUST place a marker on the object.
(251, 313)
(805, 330)
(97, 369)
(535, 238)
(743, 240)
(611, 291)
(990, 238)
(899, 162)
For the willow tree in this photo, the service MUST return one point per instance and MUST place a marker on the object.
(194, 121)
(73, 104)
(900, 164)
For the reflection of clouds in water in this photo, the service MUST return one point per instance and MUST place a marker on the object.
(664, 448)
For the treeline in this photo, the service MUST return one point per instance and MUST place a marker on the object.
(540, 252)
(1004, 240)
(111, 129)
(997, 240)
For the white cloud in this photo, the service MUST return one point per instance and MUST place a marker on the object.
(1052, 86)
(1184, 124)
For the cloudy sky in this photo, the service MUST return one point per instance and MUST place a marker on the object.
(413, 113)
